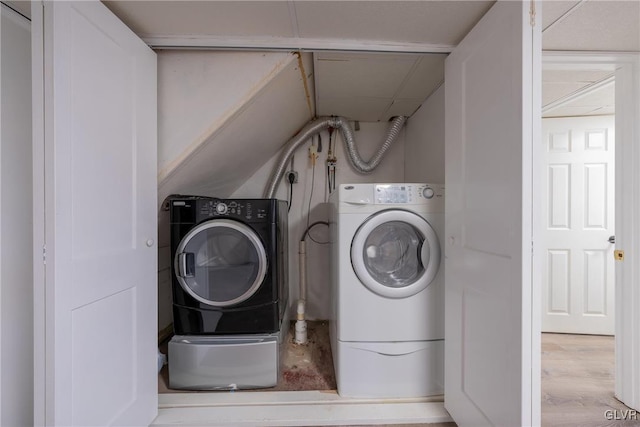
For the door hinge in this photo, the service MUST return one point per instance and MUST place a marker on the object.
(532, 13)
(44, 254)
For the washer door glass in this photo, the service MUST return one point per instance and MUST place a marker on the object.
(396, 253)
(221, 262)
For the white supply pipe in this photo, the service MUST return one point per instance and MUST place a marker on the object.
(301, 323)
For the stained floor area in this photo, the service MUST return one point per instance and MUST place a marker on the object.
(305, 367)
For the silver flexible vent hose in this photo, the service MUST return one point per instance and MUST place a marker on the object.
(349, 140)
(290, 147)
(318, 126)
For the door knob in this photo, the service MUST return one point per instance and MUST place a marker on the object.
(612, 239)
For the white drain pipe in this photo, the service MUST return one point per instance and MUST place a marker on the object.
(301, 323)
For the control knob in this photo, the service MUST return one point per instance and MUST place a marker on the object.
(221, 208)
(428, 193)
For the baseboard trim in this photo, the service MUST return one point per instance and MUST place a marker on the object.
(293, 408)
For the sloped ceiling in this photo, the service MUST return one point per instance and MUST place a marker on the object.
(372, 87)
(367, 86)
(577, 25)
(232, 142)
(362, 87)
(21, 6)
(199, 91)
(344, 82)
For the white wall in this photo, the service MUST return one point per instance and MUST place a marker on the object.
(368, 139)
(16, 266)
(424, 150)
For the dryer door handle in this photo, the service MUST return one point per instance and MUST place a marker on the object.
(186, 264)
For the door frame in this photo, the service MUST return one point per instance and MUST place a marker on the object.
(627, 195)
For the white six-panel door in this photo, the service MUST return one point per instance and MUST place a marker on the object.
(491, 116)
(579, 213)
(95, 220)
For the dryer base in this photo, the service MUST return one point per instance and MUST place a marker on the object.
(231, 362)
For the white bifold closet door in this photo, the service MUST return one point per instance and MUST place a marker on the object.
(95, 218)
(492, 82)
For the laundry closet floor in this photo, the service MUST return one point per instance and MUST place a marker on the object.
(305, 367)
(308, 369)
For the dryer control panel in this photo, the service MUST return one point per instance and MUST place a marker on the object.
(195, 209)
(245, 209)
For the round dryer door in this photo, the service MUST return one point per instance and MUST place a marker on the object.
(395, 253)
(221, 262)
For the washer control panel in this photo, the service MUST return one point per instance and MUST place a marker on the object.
(428, 193)
(391, 193)
(406, 193)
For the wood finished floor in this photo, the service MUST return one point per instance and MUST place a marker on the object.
(578, 381)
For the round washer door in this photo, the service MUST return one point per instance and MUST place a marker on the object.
(221, 262)
(395, 253)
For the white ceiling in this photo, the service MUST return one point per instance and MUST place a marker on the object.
(371, 87)
(577, 93)
(591, 25)
(433, 22)
(374, 87)
(367, 87)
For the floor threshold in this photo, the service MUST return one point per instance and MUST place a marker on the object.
(293, 408)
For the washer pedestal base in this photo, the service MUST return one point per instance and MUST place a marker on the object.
(389, 370)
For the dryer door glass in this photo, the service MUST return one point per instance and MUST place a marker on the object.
(395, 253)
(221, 262)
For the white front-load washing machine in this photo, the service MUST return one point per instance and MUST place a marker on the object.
(387, 322)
